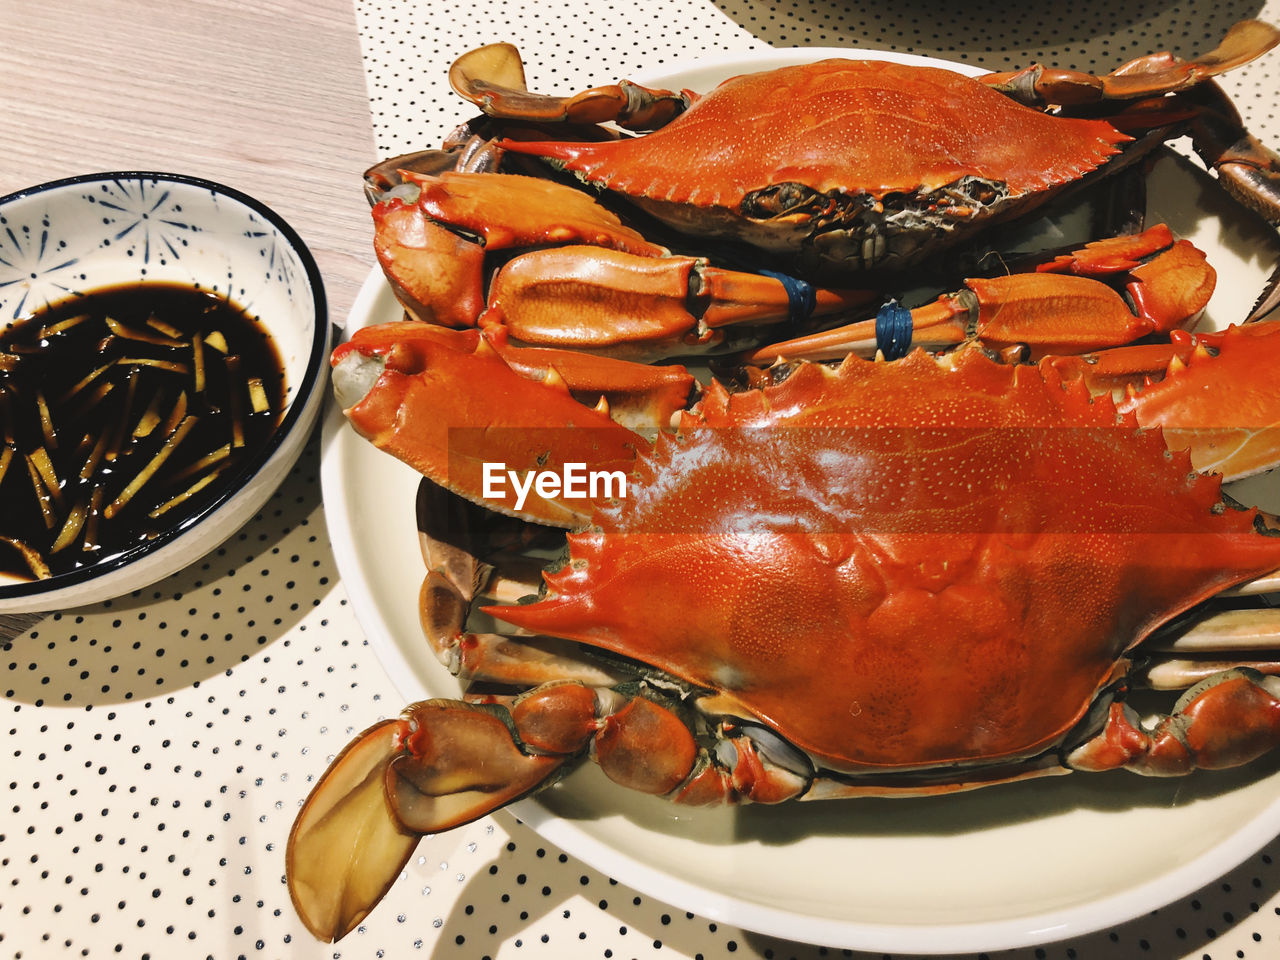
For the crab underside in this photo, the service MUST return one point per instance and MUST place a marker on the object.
(857, 231)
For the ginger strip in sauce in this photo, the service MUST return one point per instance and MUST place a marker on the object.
(125, 411)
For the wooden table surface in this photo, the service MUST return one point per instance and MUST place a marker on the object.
(265, 97)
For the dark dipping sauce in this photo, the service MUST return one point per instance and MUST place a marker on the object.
(123, 412)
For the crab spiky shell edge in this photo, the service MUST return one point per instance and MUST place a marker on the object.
(814, 124)
(926, 630)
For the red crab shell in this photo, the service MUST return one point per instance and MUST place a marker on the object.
(846, 127)
(926, 563)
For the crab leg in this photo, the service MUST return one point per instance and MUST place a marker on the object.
(344, 851)
(1180, 673)
(1155, 73)
(398, 780)
(1247, 169)
(1225, 720)
(472, 657)
(1064, 307)
(1217, 640)
(385, 175)
(1229, 713)
(1237, 630)
(453, 533)
(444, 763)
(492, 77)
(444, 603)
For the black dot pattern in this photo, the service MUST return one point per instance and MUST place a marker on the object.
(159, 745)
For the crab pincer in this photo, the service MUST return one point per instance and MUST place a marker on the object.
(555, 268)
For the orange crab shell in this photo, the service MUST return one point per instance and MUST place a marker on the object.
(842, 125)
(952, 560)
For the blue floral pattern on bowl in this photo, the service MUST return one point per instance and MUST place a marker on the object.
(68, 237)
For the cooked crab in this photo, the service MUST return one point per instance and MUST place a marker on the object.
(891, 579)
(831, 580)
(871, 164)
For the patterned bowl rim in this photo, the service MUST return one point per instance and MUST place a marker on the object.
(312, 378)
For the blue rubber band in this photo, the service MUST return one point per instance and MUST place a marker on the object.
(801, 297)
(893, 330)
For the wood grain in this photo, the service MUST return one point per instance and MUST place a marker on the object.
(268, 98)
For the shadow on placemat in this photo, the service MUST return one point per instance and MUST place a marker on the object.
(195, 624)
(981, 31)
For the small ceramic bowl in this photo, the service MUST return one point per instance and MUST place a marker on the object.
(103, 230)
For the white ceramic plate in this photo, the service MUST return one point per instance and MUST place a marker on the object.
(1003, 867)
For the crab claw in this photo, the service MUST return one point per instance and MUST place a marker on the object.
(556, 268)
(432, 234)
(346, 848)
(401, 779)
(1247, 169)
(398, 385)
